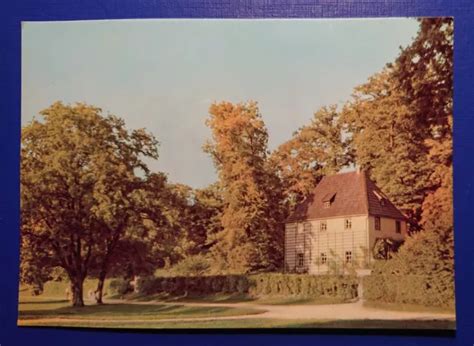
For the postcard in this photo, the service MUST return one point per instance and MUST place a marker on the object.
(237, 174)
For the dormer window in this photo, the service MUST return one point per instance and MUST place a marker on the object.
(381, 197)
(328, 199)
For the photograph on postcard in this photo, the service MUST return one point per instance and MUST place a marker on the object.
(237, 174)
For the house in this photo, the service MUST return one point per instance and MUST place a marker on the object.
(339, 223)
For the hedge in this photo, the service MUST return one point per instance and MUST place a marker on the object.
(409, 289)
(302, 285)
(118, 287)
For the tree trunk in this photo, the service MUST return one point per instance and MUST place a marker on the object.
(100, 287)
(77, 292)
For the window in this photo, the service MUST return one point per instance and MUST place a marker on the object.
(381, 197)
(377, 223)
(324, 258)
(347, 224)
(398, 227)
(328, 199)
(307, 228)
(323, 226)
(300, 260)
(348, 256)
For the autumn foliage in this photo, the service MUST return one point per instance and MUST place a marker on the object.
(252, 234)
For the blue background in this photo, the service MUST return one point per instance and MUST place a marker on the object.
(12, 13)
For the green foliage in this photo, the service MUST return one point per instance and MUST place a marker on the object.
(197, 265)
(196, 215)
(421, 272)
(80, 191)
(400, 121)
(401, 126)
(258, 285)
(148, 285)
(385, 248)
(118, 287)
(315, 150)
(408, 289)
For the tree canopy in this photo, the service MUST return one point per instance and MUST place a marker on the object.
(251, 237)
(318, 149)
(82, 185)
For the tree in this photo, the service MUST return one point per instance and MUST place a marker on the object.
(389, 142)
(426, 77)
(419, 88)
(315, 150)
(36, 266)
(148, 238)
(251, 238)
(402, 114)
(425, 74)
(80, 187)
(426, 258)
(206, 213)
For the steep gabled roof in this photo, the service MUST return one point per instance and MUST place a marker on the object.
(351, 193)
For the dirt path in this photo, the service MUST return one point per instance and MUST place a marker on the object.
(348, 311)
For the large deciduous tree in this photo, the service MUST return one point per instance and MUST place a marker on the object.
(400, 120)
(251, 238)
(315, 150)
(82, 185)
(389, 142)
(402, 123)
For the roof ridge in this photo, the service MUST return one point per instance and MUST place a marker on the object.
(341, 173)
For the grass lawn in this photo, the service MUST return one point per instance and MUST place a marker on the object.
(57, 289)
(42, 308)
(239, 298)
(51, 309)
(253, 323)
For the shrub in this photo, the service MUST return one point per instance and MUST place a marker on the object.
(37, 289)
(407, 289)
(257, 285)
(422, 272)
(243, 284)
(149, 285)
(196, 265)
(118, 287)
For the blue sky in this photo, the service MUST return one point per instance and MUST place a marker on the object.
(164, 74)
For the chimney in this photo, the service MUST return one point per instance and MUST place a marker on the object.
(358, 170)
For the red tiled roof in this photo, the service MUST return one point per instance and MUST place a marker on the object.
(353, 195)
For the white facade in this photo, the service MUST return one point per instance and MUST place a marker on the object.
(314, 246)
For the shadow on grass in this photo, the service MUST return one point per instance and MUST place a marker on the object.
(263, 326)
(45, 301)
(381, 324)
(215, 298)
(236, 298)
(131, 311)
